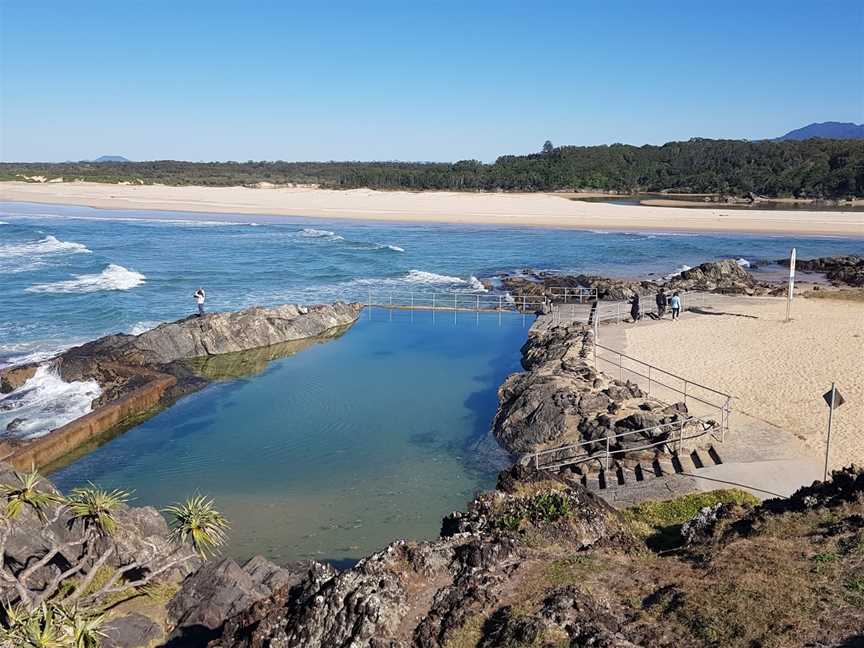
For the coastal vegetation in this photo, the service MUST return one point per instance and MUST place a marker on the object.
(67, 560)
(814, 168)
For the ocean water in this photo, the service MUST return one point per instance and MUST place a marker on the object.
(335, 451)
(70, 274)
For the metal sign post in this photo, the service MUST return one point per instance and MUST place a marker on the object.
(791, 285)
(834, 400)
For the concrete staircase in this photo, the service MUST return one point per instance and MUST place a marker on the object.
(634, 472)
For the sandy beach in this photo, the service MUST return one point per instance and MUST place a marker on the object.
(776, 371)
(539, 210)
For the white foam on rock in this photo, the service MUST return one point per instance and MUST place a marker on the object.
(677, 272)
(113, 277)
(44, 403)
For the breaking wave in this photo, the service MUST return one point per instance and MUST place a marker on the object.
(744, 263)
(47, 245)
(677, 272)
(44, 403)
(113, 277)
(311, 232)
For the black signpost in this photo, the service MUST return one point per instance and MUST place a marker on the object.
(834, 400)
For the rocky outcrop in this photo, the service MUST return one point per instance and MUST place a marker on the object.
(548, 565)
(538, 284)
(211, 335)
(423, 594)
(560, 399)
(12, 378)
(839, 270)
(220, 590)
(725, 276)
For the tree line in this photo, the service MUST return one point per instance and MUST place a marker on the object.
(815, 168)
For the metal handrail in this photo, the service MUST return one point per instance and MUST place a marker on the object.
(589, 456)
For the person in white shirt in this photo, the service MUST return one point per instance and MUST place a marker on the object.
(200, 296)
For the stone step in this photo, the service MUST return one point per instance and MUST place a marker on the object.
(664, 465)
(684, 463)
(714, 455)
(698, 458)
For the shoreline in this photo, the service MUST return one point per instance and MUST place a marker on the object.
(543, 210)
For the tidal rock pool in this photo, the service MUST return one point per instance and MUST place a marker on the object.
(334, 451)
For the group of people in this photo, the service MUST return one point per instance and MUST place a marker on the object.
(663, 302)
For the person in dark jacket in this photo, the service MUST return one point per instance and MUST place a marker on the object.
(635, 310)
(662, 302)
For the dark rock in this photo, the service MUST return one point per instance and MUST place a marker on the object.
(725, 276)
(131, 631)
(839, 270)
(217, 591)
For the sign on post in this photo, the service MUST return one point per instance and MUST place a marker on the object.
(834, 400)
(791, 285)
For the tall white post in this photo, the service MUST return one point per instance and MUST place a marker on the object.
(791, 285)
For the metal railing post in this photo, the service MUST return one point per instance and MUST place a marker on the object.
(412, 300)
(455, 295)
(433, 301)
(618, 313)
(500, 302)
(649, 380)
(607, 452)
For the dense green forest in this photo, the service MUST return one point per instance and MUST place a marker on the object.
(814, 168)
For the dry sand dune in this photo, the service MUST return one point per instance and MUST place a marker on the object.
(776, 371)
(546, 210)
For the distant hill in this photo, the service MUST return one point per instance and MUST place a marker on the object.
(111, 158)
(826, 130)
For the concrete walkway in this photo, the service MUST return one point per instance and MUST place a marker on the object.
(764, 479)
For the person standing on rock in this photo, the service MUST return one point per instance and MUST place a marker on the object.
(675, 303)
(662, 302)
(200, 296)
(635, 308)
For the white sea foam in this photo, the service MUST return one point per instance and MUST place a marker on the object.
(113, 277)
(744, 263)
(476, 285)
(142, 327)
(3, 223)
(47, 245)
(394, 248)
(677, 272)
(311, 232)
(432, 278)
(45, 402)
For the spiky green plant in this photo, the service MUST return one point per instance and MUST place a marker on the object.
(26, 493)
(42, 627)
(83, 626)
(96, 507)
(197, 520)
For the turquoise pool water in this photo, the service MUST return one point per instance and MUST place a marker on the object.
(335, 451)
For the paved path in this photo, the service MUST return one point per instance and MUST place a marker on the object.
(764, 479)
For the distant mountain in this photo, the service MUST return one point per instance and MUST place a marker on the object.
(826, 130)
(111, 158)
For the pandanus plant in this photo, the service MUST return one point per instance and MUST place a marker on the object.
(198, 520)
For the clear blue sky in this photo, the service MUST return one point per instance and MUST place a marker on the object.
(414, 80)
